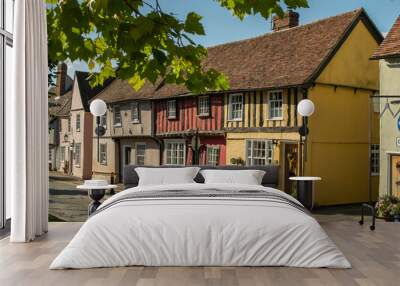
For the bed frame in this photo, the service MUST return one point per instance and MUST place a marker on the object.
(270, 179)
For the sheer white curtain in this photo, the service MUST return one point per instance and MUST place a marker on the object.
(26, 124)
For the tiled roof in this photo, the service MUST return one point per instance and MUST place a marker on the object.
(86, 91)
(60, 106)
(120, 90)
(390, 46)
(284, 58)
(65, 108)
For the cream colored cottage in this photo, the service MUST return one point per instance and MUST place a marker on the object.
(76, 128)
(388, 156)
(129, 137)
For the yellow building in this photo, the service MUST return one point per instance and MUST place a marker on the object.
(327, 62)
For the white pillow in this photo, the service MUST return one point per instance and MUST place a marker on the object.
(166, 176)
(248, 177)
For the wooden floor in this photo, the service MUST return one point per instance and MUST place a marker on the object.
(375, 257)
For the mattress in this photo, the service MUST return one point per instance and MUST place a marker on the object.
(201, 225)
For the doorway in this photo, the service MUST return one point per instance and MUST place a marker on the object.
(70, 160)
(395, 175)
(126, 158)
(290, 166)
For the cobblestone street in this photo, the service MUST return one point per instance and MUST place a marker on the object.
(67, 203)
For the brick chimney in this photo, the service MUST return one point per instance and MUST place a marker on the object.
(289, 20)
(61, 79)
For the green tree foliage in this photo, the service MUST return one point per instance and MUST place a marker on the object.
(137, 41)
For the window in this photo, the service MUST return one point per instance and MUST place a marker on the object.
(135, 113)
(103, 120)
(69, 124)
(204, 106)
(77, 157)
(140, 153)
(175, 153)
(275, 100)
(213, 155)
(171, 109)
(235, 111)
(258, 152)
(78, 122)
(103, 154)
(375, 159)
(6, 66)
(117, 116)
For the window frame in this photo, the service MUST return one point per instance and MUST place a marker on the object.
(69, 125)
(137, 155)
(213, 148)
(78, 123)
(50, 155)
(172, 141)
(204, 111)
(274, 101)
(103, 120)
(230, 107)
(169, 105)
(269, 149)
(77, 164)
(117, 124)
(103, 161)
(6, 45)
(135, 105)
(375, 159)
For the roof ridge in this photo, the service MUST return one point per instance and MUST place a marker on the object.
(356, 12)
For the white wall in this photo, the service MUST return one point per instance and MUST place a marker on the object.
(389, 85)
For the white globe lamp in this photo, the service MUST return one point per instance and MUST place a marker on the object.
(98, 107)
(306, 108)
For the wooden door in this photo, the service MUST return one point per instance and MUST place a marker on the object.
(291, 152)
(395, 174)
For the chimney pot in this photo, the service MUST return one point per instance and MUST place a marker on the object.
(289, 20)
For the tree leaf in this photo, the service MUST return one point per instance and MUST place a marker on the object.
(136, 82)
(193, 25)
(137, 42)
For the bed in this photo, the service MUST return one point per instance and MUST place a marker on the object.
(198, 224)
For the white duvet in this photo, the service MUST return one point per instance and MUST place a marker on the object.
(200, 231)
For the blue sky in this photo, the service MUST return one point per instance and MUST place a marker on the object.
(222, 27)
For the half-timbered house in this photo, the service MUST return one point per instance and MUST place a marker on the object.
(191, 129)
(326, 61)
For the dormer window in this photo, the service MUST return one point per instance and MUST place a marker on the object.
(171, 109)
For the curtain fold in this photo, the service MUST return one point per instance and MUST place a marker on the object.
(27, 124)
